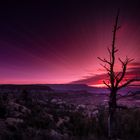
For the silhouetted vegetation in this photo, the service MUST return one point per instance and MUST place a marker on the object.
(54, 119)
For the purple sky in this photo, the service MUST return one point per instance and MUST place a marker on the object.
(58, 42)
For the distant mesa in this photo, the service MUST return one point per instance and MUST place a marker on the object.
(52, 88)
(26, 87)
(60, 88)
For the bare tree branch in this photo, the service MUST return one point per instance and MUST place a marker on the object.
(118, 27)
(117, 75)
(107, 84)
(105, 67)
(115, 50)
(104, 60)
(124, 66)
(128, 82)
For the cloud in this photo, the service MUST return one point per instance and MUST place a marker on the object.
(89, 80)
(135, 64)
(132, 72)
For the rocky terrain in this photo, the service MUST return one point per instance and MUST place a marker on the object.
(62, 116)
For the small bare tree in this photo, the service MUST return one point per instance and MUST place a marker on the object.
(116, 81)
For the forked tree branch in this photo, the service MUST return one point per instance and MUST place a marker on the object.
(105, 67)
(128, 83)
(124, 66)
(107, 84)
(104, 60)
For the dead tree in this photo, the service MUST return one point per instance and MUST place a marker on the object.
(116, 81)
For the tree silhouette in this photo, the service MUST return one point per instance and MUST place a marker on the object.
(116, 81)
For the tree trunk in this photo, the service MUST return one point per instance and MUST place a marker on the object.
(112, 125)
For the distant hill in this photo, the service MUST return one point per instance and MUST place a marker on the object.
(77, 87)
(53, 87)
(25, 87)
(62, 88)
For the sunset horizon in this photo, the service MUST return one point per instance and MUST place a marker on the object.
(70, 70)
(60, 43)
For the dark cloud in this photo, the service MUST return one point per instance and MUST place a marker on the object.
(89, 80)
(97, 79)
(135, 64)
